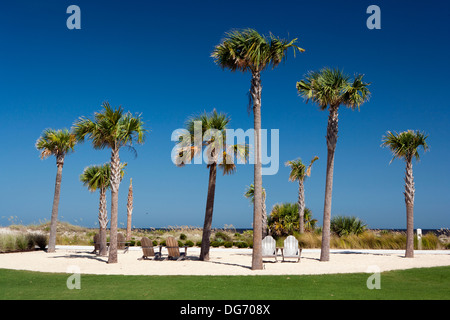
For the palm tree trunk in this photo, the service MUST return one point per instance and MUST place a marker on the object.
(332, 134)
(255, 91)
(264, 217)
(204, 252)
(115, 182)
(129, 210)
(103, 222)
(409, 201)
(54, 218)
(301, 206)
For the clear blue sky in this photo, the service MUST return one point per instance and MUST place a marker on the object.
(153, 57)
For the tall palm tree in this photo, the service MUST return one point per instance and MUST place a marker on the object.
(114, 129)
(248, 51)
(98, 178)
(219, 154)
(56, 143)
(250, 194)
(331, 88)
(299, 172)
(405, 145)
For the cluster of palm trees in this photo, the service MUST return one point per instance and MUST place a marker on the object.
(111, 128)
(246, 51)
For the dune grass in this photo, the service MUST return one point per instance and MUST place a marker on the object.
(422, 283)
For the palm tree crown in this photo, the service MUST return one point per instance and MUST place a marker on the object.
(405, 144)
(55, 142)
(332, 87)
(111, 128)
(247, 50)
(97, 177)
(299, 171)
(210, 123)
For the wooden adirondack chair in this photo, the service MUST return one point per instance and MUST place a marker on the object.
(269, 248)
(291, 248)
(122, 243)
(148, 249)
(174, 250)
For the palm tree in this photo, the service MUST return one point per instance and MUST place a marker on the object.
(299, 172)
(248, 51)
(98, 178)
(56, 143)
(212, 127)
(405, 145)
(250, 194)
(114, 129)
(331, 88)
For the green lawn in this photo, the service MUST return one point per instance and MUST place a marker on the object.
(425, 283)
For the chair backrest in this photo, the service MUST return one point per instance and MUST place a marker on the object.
(269, 246)
(96, 241)
(172, 247)
(291, 246)
(120, 241)
(147, 247)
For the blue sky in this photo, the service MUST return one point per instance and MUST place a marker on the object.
(154, 58)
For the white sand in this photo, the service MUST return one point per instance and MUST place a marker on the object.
(222, 262)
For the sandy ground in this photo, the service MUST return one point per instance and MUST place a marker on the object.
(68, 259)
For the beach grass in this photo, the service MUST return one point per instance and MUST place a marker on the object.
(422, 283)
(68, 234)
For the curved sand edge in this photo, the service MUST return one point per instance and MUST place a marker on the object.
(222, 262)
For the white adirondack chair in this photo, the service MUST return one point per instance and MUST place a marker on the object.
(291, 248)
(269, 248)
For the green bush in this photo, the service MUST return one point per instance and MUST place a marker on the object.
(228, 244)
(241, 244)
(198, 243)
(189, 243)
(215, 244)
(343, 226)
(183, 236)
(284, 219)
(221, 236)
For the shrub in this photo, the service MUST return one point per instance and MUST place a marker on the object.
(189, 243)
(215, 244)
(284, 219)
(221, 236)
(342, 225)
(183, 236)
(241, 244)
(228, 244)
(198, 243)
(39, 240)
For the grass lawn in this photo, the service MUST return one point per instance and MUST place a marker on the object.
(424, 283)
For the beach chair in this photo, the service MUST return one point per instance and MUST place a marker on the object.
(148, 249)
(122, 244)
(269, 248)
(174, 250)
(291, 249)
